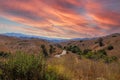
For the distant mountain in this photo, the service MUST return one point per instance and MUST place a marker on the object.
(76, 39)
(24, 36)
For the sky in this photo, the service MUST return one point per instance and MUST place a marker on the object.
(60, 18)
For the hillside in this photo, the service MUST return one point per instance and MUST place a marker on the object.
(93, 44)
(14, 44)
(33, 45)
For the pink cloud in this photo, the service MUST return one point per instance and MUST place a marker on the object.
(70, 18)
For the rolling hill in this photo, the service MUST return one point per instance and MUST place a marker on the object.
(93, 44)
(33, 45)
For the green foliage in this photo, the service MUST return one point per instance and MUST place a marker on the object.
(102, 52)
(110, 47)
(89, 55)
(100, 41)
(114, 58)
(4, 54)
(23, 67)
(52, 49)
(44, 50)
(110, 59)
(74, 49)
(85, 51)
(95, 55)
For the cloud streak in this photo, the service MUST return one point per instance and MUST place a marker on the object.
(64, 18)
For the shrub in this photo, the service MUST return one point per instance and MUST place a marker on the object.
(100, 41)
(89, 55)
(102, 52)
(44, 50)
(94, 55)
(4, 54)
(110, 59)
(85, 51)
(110, 47)
(81, 41)
(24, 67)
(64, 47)
(114, 36)
(114, 58)
(96, 42)
(21, 66)
(51, 50)
(74, 49)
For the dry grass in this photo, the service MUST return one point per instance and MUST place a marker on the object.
(85, 69)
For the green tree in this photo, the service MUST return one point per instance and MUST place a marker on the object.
(100, 41)
(52, 49)
(44, 50)
(110, 47)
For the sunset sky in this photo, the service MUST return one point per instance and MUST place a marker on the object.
(60, 18)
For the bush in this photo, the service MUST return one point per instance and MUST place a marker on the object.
(110, 47)
(100, 41)
(74, 49)
(114, 58)
(85, 51)
(94, 55)
(107, 59)
(102, 52)
(4, 54)
(81, 40)
(44, 50)
(24, 67)
(89, 55)
(114, 36)
(52, 49)
(110, 59)
(96, 42)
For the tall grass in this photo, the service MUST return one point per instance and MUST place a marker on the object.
(85, 69)
(21, 66)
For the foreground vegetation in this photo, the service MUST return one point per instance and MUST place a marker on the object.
(21, 66)
(85, 69)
